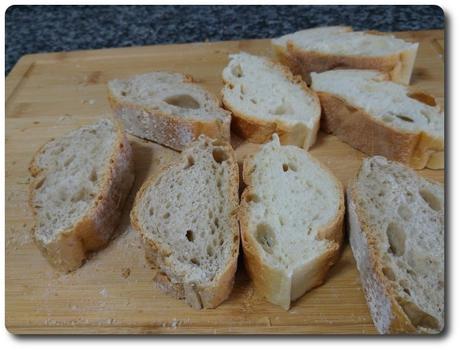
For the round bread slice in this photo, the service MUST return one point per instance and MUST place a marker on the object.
(380, 117)
(396, 225)
(80, 183)
(187, 219)
(325, 48)
(168, 108)
(291, 219)
(265, 98)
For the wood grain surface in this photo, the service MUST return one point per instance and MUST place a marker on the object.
(48, 95)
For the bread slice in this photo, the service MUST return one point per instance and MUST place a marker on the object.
(380, 117)
(326, 48)
(168, 108)
(265, 98)
(187, 219)
(80, 183)
(396, 220)
(291, 219)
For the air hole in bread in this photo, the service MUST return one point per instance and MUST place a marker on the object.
(190, 162)
(151, 211)
(253, 101)
(389, 273)
(242, 90)
(216, 222)
(404, 212)
(283, 108)
(289, 166)
(430, 199)
(190, 236)
(426, 116)
(166, 215)
(396, 239)
(93, 176)
(40, 183)
(237, 71)
(210, 250)
(219, 155)
(405, 118)
(182, 101)
(252, 197)
(265, 237)
(78, 196)
(124, 93)
(417, 316)
(195, 261)
(69, 160)
(388, 118)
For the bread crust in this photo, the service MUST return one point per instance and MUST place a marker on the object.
(275, 284)
(170, 130)
(257, 130)
(356, 127)
(93, 231)
(207, 295)
(399, 65)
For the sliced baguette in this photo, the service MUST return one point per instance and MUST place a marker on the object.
(291, 219)
(265, 98)
(396, 220)
(167, 108)
(187, 220)
(80, 183)
(326, 48)
(380, 117)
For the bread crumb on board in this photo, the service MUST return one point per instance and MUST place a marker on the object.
(126, 272)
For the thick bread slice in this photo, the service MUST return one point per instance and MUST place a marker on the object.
(326, 48)
(80, 184)
(291, 219)
(380, 117)
(396, 220)
(168, 108)
(265, 98)
(187, 219)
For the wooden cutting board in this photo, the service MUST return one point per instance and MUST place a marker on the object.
(48, 95)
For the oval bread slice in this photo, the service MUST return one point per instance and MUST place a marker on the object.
(380, 117)
(265, 98)
(80, 183)
(396, 220)
(187, 219)
(326, 48)
(168, 108)
(291, 219)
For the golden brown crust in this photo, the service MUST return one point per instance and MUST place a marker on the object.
(356, 127)
(93, 231)
(399, 65)
(257, 130)
(172, 131)
(211, 294)
(274, 283)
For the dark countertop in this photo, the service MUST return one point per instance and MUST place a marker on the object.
(33, 29)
